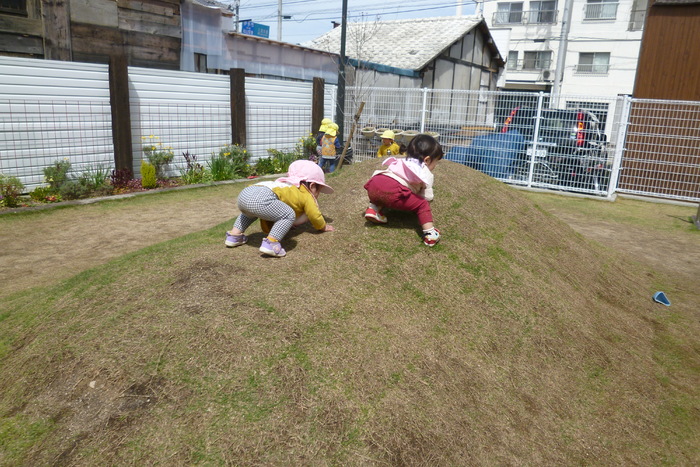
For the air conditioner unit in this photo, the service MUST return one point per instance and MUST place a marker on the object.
(546, 75)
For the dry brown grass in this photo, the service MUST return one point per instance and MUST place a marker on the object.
(515, 341)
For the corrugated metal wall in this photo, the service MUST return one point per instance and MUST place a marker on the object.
(51, 110)
(54, 109)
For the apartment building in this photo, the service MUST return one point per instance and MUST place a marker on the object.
(600, 43)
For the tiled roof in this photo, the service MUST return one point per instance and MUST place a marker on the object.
(407, 43)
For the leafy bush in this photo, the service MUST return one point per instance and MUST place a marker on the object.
(278, 162)
(76, 189)
(120, 178)
(44, 194)
(307, 147)
(95, 176)
(148, 175)
(194, 172)
(158, 155)
(230, 163)
(10, 190)
(57, 174)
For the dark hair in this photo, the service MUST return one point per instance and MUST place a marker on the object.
(423, 146)
(402, 148)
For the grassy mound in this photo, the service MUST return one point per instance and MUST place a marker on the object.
(513, 341)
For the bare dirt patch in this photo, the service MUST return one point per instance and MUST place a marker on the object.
(54, 244)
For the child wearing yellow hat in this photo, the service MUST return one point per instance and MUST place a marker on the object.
(330, 148)
(389, 147)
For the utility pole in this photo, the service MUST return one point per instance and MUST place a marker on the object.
(236, 7)
(340, 105)
(279, 20)
(561, 53)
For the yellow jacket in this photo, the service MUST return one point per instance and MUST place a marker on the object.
(302, 201)
(393, 147)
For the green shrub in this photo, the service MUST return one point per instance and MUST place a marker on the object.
(194, 172)
(57, 174)
(10, 190)
(148, 175)
(95, 176)
(278, 162)
(230, 163)
(43, 194)
(76, 189)
(158, 155)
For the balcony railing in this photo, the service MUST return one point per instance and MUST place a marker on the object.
(593, 69)
(529, 65)
(526, 17)
(637, 20)
(600, 11)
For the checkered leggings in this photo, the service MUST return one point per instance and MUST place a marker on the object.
(261, 202)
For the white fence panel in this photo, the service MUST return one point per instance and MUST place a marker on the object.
(184, 111)
(52, 110)
(279, 114)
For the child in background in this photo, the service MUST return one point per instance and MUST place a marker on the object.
(321, 131)
(407, 185)
(389, 147)
(287, 201)
(330, 145)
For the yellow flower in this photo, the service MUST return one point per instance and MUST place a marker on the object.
(143, 137)
(151, 136)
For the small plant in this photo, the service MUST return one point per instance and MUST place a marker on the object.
(96, 176)
(230, 163)
(76, 189)
(158, 155)
(307, 147)
(44, 194)
(10, 190)
(57, 174)
(278, 162)
(148, 175)
(194, 172)
(120, 178)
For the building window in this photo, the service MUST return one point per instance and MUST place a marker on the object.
(543, 12)
(539, 60)
(593, 62)
(508, 13)
(14, 7)
(200, 63)
(600, 9)
(512, 63)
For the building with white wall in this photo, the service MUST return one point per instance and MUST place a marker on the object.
(601, 46)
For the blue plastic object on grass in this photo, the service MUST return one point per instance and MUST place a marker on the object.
(660, 297)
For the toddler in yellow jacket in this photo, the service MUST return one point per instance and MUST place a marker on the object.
(279, 205)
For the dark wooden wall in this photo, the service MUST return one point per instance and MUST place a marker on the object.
(669, 59)
(146, 32)
(668, 68)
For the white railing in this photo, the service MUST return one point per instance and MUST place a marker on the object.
(594, 11)
(526, 17)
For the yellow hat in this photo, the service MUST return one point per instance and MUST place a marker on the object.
(324, 124)
(388, 134)
(331, 131)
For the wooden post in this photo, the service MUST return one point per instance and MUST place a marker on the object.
(696, 218)
(317, 104)
(238, 116)
(121, 115)
(352, 132)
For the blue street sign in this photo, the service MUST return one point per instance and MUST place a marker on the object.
(255, 29)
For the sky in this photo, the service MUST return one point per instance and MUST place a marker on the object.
(313, 18)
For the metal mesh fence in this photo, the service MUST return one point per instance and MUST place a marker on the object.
(572, 143)
(520, 138)
(277, 127)
(196, 129)
(662, 150)
(35, 133)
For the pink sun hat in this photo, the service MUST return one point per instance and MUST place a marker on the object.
(306, 171)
